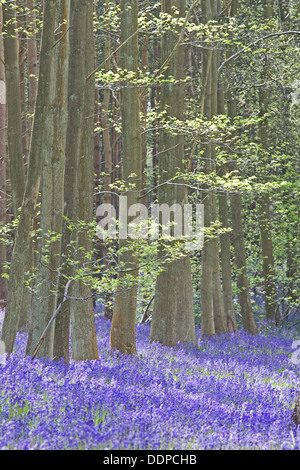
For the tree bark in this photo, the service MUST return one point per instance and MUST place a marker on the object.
(78, 191)
(14, 112)
(83, 331)
(32, 63)
(173, 312)
(226, 267)
(213, 313)
(107, 199)
(237, 221)
(40, 144)
(122, 337)
(207, 306)
(263, 200)
(52, 197)
(3, 159)
(27, 122)
(219, 312)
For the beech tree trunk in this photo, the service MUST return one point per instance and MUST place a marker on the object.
(225, 244)
(219, 312)
(263, 200)
(213, 313)
(122, 336)
(52, 197)
(78, 193)
(173, 312)
(27, 131)
(107, 199)
(14, 112)
(237, 221)
(207, 306)
(83, 331)
(41, 144)
(32, 63)
(3, 280)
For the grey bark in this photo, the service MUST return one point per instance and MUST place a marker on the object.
(52, 197)
(41, 142)
(14, 112)
(122, 337)
(3, 161)
(77, 192)
(173, 312)
(83, 331)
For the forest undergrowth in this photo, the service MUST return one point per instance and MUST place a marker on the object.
(234, 391)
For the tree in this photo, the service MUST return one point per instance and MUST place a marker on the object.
(122, 336)
(32, 62)
(83, 331)
(107, 148)
(263, 200)
(225, 243)
(236, 216)
(41, 144)
(78, 192)
(173, 312)
(52, 197)
(3, 281)
(14, 113)
(213, 313)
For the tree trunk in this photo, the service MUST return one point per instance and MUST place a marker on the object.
(219, 312)
(22, 50)
(78, 190)
(144, 111)
(41, 143)
(296, 412)
(263, 200)
(3, 281)
(226, 264)
(237, 221)
(240, 262)
(30, 49)
(213, 313)
(226, 268)
(173, 312)
(107, 199)
(52, 197)
(14, 113)
(122, 337)
(207, 307)
(32, 63)
(83, 331)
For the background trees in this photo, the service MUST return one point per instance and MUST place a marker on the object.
(178, 102)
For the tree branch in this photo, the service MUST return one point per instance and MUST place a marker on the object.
(238, 53)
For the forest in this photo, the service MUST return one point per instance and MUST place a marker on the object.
(149, 224)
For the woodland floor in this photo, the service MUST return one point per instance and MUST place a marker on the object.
(232, 392)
